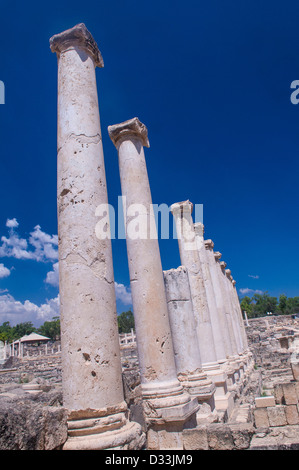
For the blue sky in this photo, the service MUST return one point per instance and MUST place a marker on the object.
(211, 81)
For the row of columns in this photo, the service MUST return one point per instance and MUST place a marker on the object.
(184, 337)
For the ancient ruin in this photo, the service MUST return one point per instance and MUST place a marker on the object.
(193, 375)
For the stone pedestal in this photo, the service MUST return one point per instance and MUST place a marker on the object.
(91, 365)
(164, 399)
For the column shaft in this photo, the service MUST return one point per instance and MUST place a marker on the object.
(190, 258)
(185, 342)
(216, 322)
(161, 389)
(91, 366)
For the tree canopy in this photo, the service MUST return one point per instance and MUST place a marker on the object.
(260, 305)
(9, 333)
(125, 322)
(51, 329)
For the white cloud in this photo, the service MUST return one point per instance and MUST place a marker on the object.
(45, 246)
(253, 276)
(12, 223)
(53, 276)
(4, 272)
(246, 290)
(16, 312)
(123, 294)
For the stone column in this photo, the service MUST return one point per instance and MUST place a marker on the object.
(218, 295)
(234, 333)
(245, 317)
(190, 259)
(165, 401)
(185, 342)
(236, 321)
(239, 314)
(216, 322)
(236, 310)
(247, 354)
(91, 365)
(231, 306)
(221, 300)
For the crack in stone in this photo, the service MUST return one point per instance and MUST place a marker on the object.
(83, 138)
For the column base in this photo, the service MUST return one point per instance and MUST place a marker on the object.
(225, 403)
(223, 397)
(103, 429)
(200, 386)
(167, 409)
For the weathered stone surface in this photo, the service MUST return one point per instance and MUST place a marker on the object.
(220, 437)
(196, 439)
(242, 434)
(291, 412)
(278, 394)
(30, 423)
(164, 399)
(276, 415)
(133, 396)
(290, 395)
(278, 438)
(261, 418)
(262, 402)
(295, 369)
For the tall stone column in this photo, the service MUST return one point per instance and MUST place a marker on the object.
(235, 310)
(185, 342)
(190, 259)
(233, 330)
(222, 304)
(218, 295)
(247, 354)
(216, 321)
(165, 401)
(239, 314)
(231, 306)
(91, 365)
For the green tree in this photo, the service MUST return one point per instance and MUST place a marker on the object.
(125, 322)
(282, 306)
(6, 332)
(23, 329)
(246, 306)
(263, 303)
(51, 329)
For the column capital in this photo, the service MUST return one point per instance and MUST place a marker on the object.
(209, 244)
(181, 208)
(125, 130)
(228, 273)
(77, 36)
(199, 228)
